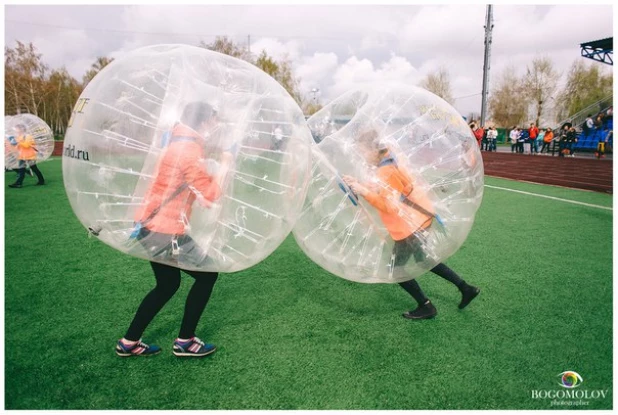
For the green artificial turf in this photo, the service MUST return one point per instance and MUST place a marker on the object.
(292, 336)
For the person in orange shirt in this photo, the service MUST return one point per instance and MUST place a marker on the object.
(547, 139)
(408, 219)
(26, 154)
(179, 181)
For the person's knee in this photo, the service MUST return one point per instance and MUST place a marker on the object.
(204, 277)
(168, 286)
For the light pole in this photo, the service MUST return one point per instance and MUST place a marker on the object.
(489, 25)
(315, 92)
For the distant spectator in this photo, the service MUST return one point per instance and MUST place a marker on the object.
(278, 136)
(513, 136)
(608, 119)
(533, 133)
(521, 139)
(525, 140)
(547, 139)
(563, 141)
(539, 138)
(588, 125)
(598, 122)
(478, 134)
(602, 144)
(492, 136)
(571, 138)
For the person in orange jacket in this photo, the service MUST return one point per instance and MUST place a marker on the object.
(407, 218)
(180, 180)
(26, 154)
(547, 139)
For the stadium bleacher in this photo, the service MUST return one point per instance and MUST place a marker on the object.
(589, 141)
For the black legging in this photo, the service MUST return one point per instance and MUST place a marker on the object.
(168, 282)
(21, 174)
(443, 271)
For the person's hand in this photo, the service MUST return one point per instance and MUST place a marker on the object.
(355, 185)
(203, 201)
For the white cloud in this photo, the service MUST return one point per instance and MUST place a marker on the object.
(356, 72)
(290, 50)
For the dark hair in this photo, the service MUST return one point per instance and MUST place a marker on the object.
(196, 113)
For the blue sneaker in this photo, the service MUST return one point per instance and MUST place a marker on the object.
(138, 349)
(193, 348)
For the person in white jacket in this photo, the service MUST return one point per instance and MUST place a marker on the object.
(492, 135)
(513, 136)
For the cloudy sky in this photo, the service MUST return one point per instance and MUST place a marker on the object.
(332, 48)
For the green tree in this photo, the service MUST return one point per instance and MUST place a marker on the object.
(585, 85)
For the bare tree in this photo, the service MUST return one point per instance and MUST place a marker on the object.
(225, 45)
(508, 103)
(24, 78)
(280, 70)
(100, 63)
(439, 83)
(540, 83)
(585, 85)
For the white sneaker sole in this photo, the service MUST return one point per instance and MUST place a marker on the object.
(189, 354)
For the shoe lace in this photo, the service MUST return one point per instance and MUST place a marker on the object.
(198, 341)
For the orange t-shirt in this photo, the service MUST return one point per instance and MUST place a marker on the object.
(180, 165)
(25, 146)
(400, 219)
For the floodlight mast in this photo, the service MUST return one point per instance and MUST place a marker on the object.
(489, 25)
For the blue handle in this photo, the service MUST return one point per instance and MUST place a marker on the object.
(136, 230)
(346, 189)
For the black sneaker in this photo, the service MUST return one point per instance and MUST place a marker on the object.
(15, 186)
(468, 294)
(422, 312)
(40, 184)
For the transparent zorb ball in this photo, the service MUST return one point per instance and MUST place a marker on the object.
(188, 157)
(27, 140)
(422, 167)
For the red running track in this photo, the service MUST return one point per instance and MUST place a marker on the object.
(580, 173)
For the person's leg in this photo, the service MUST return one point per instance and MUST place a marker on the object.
(402, 251)
(468, 292)
(38, 173)
(21, 173)
(168, 282)
(196, 301)
(187, 344)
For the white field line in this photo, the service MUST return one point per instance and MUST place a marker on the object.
(575, 202)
